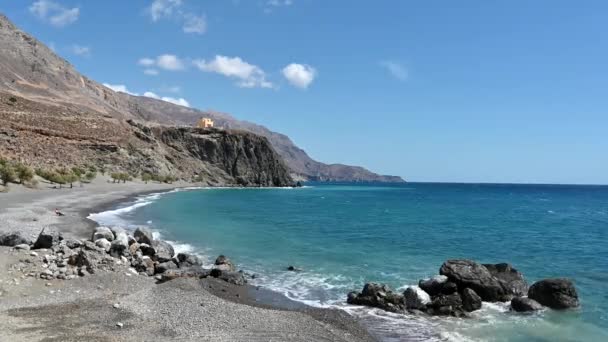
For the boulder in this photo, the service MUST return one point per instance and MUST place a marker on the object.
(434, 285)
(165, 266)
(379, 296)
(416, 298)
(131, 239)
(524, 304)
(187, 260)
(467, 273)
(446, 305)
(557, 293)
(163, 251)
(513, 281)
(120, 245)
(72, 243)
(133, 248)
(104, 244)
(147, 249)
(224, 264)
(14, 238)
(47, 239)
(103, 233)
(470, 300)
(143, 235)
(84, 260)
(188, 272)
(236, 278)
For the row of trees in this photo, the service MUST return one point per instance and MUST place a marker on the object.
(63, 176)
(17, 172)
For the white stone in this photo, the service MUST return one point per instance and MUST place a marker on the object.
(34, 254)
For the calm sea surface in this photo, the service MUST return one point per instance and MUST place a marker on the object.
(345, 235)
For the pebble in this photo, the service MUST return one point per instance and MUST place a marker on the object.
(34, 254)
(116, 306)
(49, 284)
(119, 325)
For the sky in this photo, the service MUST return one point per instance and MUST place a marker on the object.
(449, 91)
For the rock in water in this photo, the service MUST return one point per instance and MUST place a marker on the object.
(143, 235)
(163, 251)
(47, 239)
(523, 304)
(512, 279)
(224, 264)
(378, 296)
(13, 239)
(446, 305)
(433, 286)
(470, 300)
(558, 293)
(416, 298)
(467, 273)
(103, 233)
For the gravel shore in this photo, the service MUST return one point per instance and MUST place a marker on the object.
(118, 306)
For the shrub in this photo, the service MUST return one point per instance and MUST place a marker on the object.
(7, 174)
(90, 175)
(24, 173)
(146, 177)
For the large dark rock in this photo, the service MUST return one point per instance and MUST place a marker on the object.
(163, 251)
(378, 296)
(523, 304)
(467, 273)
(557, 293)
(13, 239)
(513, 281)
(470, 300)
(433, 286)
(47, 239)
(120, 245)
(446, 305)
(147, 249)
(188, 260)
(143, 235)
(416, 298)
(165, 266)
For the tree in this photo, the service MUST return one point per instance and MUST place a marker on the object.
(90, 175)
(7, 174)
(115, 177)
(24, 172)
(146, 177)
(71, 177)
(56, 177)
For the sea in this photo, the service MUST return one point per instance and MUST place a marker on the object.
(344, 235)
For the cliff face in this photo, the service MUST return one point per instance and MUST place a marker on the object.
(238, 157)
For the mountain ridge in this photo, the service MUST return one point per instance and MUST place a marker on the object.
(31, 70)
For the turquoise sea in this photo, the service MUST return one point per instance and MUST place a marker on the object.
(343, 235)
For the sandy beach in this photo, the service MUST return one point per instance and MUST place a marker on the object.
(119, 305)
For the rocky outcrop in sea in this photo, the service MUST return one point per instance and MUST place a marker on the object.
(462, 286)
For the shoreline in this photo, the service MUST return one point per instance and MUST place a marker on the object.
(326, 324)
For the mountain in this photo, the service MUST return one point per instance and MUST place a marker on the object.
(31, 71)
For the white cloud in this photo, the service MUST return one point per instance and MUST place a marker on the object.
(120, 88)
(163, 8)
(54, 13)
(299, 75)
(169, 62)
(80, 50)
(180, 101)
(396, 69)
(248, 75)
(151, 72)
(194, 24)
(146, 61)
(173, 9)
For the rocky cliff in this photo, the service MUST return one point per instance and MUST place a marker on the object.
(33, 73)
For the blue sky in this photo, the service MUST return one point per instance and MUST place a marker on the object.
(467, 91)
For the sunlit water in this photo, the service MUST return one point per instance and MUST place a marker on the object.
(345, 235)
